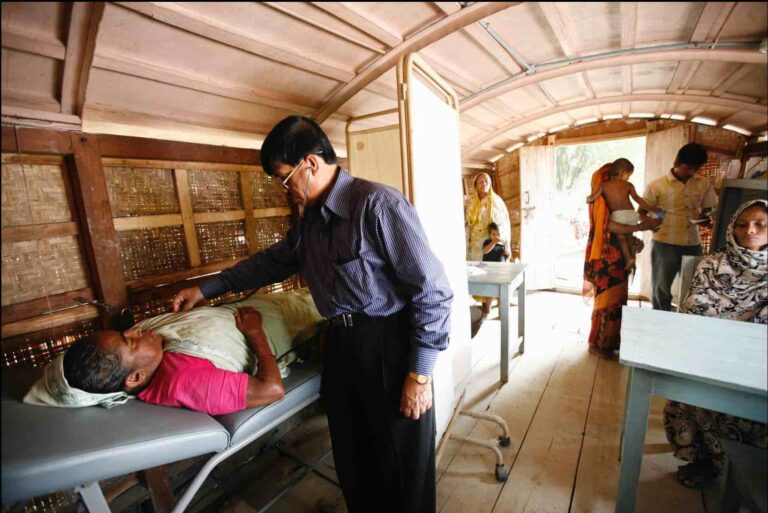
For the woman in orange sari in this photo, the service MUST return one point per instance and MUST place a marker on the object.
(605, 278)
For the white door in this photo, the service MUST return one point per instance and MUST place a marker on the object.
(537, 186)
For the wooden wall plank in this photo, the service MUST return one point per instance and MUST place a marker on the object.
(272, 212)
(140, 222)
(43, 140)
(39, 231)
(219, 217)
(33, 160)
(36, 307)
(175, 164)
(155, 149)
(246, 194)
(49, 321)
(187, 216)
(155, 281)
(9, 139)
(95, 214)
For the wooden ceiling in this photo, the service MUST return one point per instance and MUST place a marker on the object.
(213, 72)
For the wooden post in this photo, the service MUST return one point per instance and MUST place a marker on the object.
(250, 220)
(159, 484)
(95, 215)
(187, 216)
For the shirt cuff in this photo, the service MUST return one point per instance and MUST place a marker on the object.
(422, 360)
(213, 286)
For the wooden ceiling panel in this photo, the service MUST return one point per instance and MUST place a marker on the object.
(366, 102)
(564, 89)
(527, 31)
(401, 18)
(754, 83)
(595, 26)
(467, 57)
(666, 22)
(710, 74)
(45, 21)
(652, 77)
(525, 99)
(605, 81)
(268, 24)
(30, 81)
(748, 22)
(130, 36)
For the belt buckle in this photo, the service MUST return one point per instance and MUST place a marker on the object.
(347, 319)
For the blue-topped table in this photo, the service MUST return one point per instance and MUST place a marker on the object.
(501, 279)
(712, 363)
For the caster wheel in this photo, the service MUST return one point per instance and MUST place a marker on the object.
(504, 441)
(501, 473)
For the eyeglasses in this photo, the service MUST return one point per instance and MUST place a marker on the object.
(285, 180)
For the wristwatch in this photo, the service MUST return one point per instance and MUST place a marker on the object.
(421, 379)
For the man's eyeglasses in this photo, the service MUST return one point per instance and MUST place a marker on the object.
(285, 180)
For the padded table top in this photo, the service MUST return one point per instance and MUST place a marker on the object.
(46, 449)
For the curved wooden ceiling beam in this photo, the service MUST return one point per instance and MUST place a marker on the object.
(421, 39)
(691, 54)
(688, 98)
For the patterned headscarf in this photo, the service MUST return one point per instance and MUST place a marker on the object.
(731, 283)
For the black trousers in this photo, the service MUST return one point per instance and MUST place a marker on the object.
(385, 462)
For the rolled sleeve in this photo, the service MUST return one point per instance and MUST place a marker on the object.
(710, 197)
(421, 277)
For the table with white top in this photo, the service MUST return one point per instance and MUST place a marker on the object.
(501, 279)
(712, 363)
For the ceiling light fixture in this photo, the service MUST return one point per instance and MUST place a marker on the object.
(704, 121)
(585, 121)
(738, 130)
(678, 117)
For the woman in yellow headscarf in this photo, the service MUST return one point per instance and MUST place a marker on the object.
(485, 207)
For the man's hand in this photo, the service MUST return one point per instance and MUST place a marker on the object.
(650, 223)
(186, 299)
(416, 399)
(248, 320)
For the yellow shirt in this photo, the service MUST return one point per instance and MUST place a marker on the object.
(681, 202)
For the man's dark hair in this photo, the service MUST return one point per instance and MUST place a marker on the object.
(692, 154)
(492, 226)
(291, 140)
(92, 369)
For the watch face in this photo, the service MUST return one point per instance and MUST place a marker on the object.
(423, 380)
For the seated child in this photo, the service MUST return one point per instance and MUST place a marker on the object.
(617, 192)
(494, 250)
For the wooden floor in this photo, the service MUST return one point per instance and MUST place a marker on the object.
(564, 408)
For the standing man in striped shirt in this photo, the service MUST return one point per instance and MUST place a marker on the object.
(685, 198)
(364, 254)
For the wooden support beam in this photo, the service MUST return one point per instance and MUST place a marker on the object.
(84, 22)
(159, 484)
(39, 231)
(187, 216)
(348, 14)
(271, 212)
(50, 48)
(711, 20)
(83, 313)
(170, 278)
(95, 215)
(42, 140)
(9, 143)
(43, 305)
(219, 217)
(246, 197)
(173, 164)
(154, 149)
(176, 15)
(40, 118)
(421, 39)
(123, 224)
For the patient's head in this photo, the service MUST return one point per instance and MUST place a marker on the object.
(110, 361)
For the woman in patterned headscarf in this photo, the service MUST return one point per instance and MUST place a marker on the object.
(485, 207)
(730, 284)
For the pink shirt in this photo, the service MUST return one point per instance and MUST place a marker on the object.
(195, 383)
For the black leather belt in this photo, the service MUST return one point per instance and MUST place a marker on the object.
(355, 319)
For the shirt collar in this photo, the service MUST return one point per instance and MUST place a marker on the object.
(340, 197)
(671, 178)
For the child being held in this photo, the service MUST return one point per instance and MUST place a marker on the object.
(494, 250)
(617, 192)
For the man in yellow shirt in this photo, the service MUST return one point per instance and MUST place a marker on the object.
(688, 201)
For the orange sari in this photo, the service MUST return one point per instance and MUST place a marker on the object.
(604, 275)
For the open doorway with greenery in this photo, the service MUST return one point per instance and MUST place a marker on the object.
(574, 165)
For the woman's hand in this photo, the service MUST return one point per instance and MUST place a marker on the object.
(248, 320)
(649, 223)
(638, 244)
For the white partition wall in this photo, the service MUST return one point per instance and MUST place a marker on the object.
(429, 121)
(374, 154)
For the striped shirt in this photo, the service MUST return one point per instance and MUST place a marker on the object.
(681, 202)
(362, 251)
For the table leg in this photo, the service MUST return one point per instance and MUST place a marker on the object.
(636, 421)
(626, 403)
(504, 314)
(521, 315)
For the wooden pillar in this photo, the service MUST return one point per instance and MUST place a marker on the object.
(159, 484)
(187, 216)
(246, 193)
(95, 215)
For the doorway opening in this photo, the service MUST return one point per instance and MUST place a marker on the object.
(574, 165)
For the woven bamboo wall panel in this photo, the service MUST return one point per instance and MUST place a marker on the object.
(36, 349)
(719, 138)
(214, 191)
(152, 251)
(33, 194)
(267, 191)
(270, 230)
(219, 242)
(714, 171)
(38, 268)
(141, 191)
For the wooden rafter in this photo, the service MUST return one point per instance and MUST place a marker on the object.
(84, 23)
(24, 43)
(711, 20)
(347, 14)
(628, 12)
(732, 79)
(419, 40)
(624, 99)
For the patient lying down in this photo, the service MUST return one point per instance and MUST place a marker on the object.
(135, 362)
(202, 360)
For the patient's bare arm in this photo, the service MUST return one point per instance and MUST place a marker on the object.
(267, 385)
